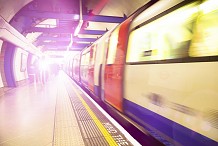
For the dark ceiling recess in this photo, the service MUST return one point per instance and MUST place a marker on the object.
(67, 16)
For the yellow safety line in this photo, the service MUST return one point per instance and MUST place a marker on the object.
(103, 130)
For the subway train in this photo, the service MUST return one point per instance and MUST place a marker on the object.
(160, 69)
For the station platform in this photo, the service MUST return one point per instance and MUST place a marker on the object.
(57, 113)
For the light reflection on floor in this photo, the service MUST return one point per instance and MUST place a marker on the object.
(27, 115)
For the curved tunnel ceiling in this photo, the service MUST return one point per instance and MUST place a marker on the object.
(50, 24)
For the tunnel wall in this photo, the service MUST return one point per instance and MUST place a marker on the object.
(1, 65)
(10, 70)
(8, 8)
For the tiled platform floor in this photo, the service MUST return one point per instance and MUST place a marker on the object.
(53, 114)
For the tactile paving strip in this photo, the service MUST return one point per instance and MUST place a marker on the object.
(92, 135)
(83, 115)
(66, 129)
(90, 130)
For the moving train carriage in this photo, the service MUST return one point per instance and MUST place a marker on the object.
(170, 77)
(160, 69)
(92, 59)
(113, 66)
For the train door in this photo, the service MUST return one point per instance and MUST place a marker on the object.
(113, 71)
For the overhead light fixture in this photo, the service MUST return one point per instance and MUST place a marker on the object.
(76, 17)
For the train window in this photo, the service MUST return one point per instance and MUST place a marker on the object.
(87, 58)
(92, 54)
(205, 36)
(168, 37)
(83, 59)
(75, 64)
(112, 48)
